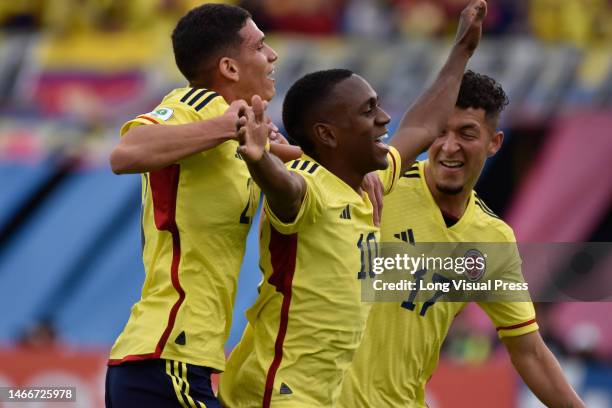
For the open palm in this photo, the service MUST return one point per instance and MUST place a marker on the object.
(253, 130)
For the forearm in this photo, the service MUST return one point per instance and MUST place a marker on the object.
(540, 370)
(285, 152)
(428, 116)
(150, 147)
(283, 189)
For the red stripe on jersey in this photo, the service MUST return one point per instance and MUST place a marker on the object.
(164, 189)
(283, 254)
(147, 118)
(516, 326)
(132, 357)
(394, 170)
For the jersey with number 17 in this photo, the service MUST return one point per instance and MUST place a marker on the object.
(196, 214)
(402, 341)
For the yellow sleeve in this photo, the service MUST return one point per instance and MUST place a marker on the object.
(391, 174)
(311, 204)
(511, 318)
(176, 113)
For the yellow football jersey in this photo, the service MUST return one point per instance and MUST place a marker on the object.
(308, 319)
(402, 341)
(195, 218)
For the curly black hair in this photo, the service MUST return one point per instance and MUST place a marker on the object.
(303, 101)
(203, 35)
(481, 91)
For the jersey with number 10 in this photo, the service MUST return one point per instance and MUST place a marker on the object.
(402, 342)
(308, 319)
(196, 215)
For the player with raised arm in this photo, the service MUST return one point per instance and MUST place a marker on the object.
(434, 201)
(197, 202)
(317, 235)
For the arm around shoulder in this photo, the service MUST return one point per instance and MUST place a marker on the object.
(145, 148)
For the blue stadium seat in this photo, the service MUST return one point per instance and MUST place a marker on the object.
(19, 181)
(98, 310)
(100, 306)
(57, 244)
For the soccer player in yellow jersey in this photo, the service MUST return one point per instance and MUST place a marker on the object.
(317, 235)
(434, 201)
(198, 199)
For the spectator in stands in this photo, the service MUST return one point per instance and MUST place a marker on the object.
(579, 22)
(20, 15)
(309, 17)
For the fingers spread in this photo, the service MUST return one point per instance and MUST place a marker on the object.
(242, 121)
(250, 115)
(271, 124)
(241, 150)
(241, 135)
(242, 110)
(259, 108)
(477, 8)
(481, 10)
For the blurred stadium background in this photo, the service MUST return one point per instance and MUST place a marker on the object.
(72, 71)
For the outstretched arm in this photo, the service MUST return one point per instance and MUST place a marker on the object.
(283, 189)
(427, 117)
(540, 370)
(151, 147)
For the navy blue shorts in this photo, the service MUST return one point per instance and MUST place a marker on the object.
(159, 383)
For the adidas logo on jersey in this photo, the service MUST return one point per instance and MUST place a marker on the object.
(346, 213)
(284, 389)
(406, 236)
(305, 165)
(181, 339)
(194, 99)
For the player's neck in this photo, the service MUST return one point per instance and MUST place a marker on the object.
(227, 94)
(351, 177)
(452, 205)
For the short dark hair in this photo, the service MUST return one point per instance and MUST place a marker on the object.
(303, 100)
(479, 91)
(203, 34)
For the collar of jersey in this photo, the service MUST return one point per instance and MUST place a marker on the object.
(183, 89)
(339, 183)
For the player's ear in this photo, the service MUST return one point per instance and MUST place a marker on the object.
(228, 67)
(325, 135)
(496, 143)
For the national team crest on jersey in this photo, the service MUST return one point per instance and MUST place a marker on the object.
(480, 265)
(162, 113)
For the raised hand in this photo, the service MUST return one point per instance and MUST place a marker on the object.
(252, 130)
(470, 25)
